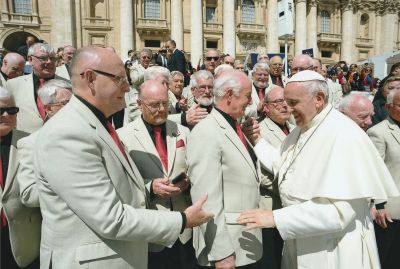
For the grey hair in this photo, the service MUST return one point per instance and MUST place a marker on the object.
(261, 55)
(48, 92)
(223, 83)
(222, 68)
(203, 74)
(147, 51)
(315, 86)
(390, 96)
(348, 100)
(151, 72)
(42, 47)
(267, 91)
(5, 95)
(263, 66)
(175, 73)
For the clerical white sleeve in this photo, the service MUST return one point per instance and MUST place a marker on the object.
(312, 218)
(267, 154)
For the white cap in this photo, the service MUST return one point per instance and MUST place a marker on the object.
(306, 75)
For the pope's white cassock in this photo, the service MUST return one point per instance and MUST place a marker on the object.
(327, 172)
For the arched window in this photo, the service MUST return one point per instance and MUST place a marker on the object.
(248, 11)
(98, 9)
(364, 26)
(152, 9)
(22, 6)
(325, 22)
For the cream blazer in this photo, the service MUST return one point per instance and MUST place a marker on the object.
(386, 138)
(24, 223)
(139, 145)
(92, 199)
(220, 165)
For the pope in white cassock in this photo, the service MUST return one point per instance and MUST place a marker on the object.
(328, 170)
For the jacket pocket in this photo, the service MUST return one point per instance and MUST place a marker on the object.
(93, 251)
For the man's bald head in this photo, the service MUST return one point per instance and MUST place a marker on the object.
(149, 87)
(302, 62)
(13, 65)
(358, 108)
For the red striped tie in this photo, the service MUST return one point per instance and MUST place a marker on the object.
(115, 137)
(240, 134)
(161, 147)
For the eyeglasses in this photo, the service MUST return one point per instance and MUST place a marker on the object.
(276, 65)
(10, 110)
(202, 88)
(299, 69)
(277, 102)
(155, 106)
(119, 79)
(215, 58)
(145, 57)
(44, 59)
(62, 103)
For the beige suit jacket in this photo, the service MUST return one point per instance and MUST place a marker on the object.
(268, 186)
(139, 145)
(251, 110)
(283, 78)
(3, 81)
(386, 137)
(28, 117)
(62, 71)
(220, 165)
(24, 223)
(92, 199)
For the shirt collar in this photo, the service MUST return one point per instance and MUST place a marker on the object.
(232, 122)
(99, 115)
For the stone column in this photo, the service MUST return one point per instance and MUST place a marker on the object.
(346, 48)
(4, 10)
(272, 38)
(378, 33)
(61, 21)
(196, 36)
(390, 23)
(312, 27)
(127, 33)
(229, 34)
(301, 26)
(35, 15)
(177, 23)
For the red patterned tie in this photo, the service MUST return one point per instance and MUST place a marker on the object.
(161, 147)
(240, 134)
(114, 136)
(261, 94)
(39, 103)
(3, 215)
(285, 129)
(278, 81)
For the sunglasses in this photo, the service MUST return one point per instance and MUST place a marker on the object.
(10, 110)
(215, 58)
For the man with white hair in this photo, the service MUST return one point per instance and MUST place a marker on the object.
(32, 114)
(335, 89)
(386, 137)
(20, 226)
(13, 66)
(260, 77)
(359, 108)
(228, 174)
(222, 68)
(327, 172)
(277, 76)
(67, 54)
(55, 94)
(302, 62)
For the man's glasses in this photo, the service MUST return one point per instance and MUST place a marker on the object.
(276, 65)
(155, 106)
(45, 59)
(10, 110)
(277, 102)
(299, 69)
(119, 79)
(145, 57)
(215, 58)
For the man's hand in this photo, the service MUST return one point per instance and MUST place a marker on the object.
(163, 189)
(381, 215)
(195, 114)
(257, 218)
(251, 129)
(227, 263)
(183, 184)
(195, 214)
(182, 104)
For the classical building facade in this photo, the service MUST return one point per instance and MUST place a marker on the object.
(350, 30)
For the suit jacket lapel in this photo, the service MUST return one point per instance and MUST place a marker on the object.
(172, 133)
(144, 139)
(234, 138)
(394, 129)
(278, 133)
(30, 85)
(13, 164)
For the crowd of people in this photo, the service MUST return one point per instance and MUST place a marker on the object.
(148, 162)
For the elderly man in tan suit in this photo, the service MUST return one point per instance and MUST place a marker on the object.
(221, 163)
(20, 226)
(92, 196)
(158, 147)
(13, 66)
(24, 89)
(386, 137)
(274, 128)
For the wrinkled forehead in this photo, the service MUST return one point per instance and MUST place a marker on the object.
(7, 102)
(212, 53)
